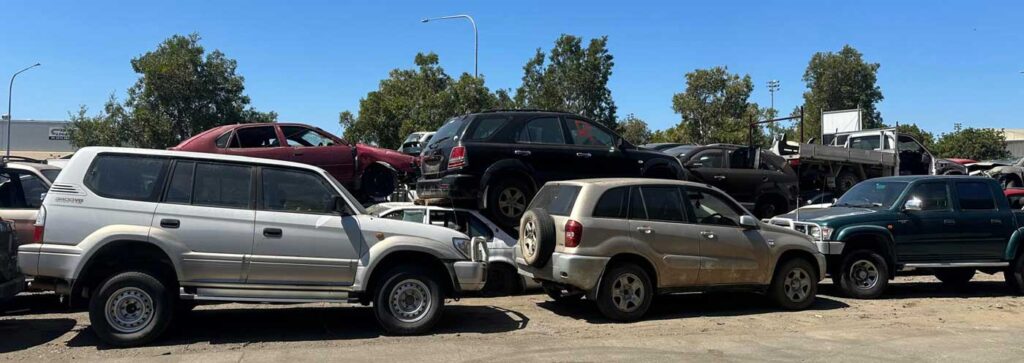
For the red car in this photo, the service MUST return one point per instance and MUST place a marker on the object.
(371, 172)
(1016, 197)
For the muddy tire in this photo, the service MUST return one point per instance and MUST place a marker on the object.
(131, 309)
(794, 285)
(507, 199)
(536, 237)
(864, 274)
(769, 207)
(408, 302)
(625, 293)
(956, 277)
(1015, 275)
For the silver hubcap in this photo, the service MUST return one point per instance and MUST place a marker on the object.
(529, 240)
(797, 285)
(864, 274)
(627, 292)
(410, 300)
(512, 202)
(129, 310)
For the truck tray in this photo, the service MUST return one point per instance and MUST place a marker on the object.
(842, 154)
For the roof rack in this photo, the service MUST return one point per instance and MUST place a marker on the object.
(22, 159)
(524, 110)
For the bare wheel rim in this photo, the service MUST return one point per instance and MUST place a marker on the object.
(864, 274)
(529, 239)
(129, 310)
(410, 300)
(627, 292)
(511, 202)
(797, 285)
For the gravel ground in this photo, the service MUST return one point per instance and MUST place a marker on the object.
(917, 320)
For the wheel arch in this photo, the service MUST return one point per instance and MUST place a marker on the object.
(122, 255)
(407, 257)
(507, 167)
(1013, 248)
(796, 253)
(654, 166)
(875, 238)
(626, 258)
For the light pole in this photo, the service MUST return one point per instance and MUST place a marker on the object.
(10, 93)
(476, 37)
(773, 85)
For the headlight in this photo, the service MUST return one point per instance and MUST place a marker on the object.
(463, 245)
(820, 233)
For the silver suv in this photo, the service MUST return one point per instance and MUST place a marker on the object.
(622, 241)
(145, 234)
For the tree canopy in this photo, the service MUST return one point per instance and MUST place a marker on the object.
(714, 108)
(634, 130)
(840, 81)
(972, 143)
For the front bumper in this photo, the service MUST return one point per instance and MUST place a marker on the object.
(830, 247)
(581, 272)
(470, 275)
(458, 186)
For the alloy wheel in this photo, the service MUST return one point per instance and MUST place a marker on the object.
(864, 274)
(512, 202)
(797, 285)
(628, 292)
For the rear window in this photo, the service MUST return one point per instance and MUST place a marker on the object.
(450, 129)
(612, 203)
(130, 177)
(975, 196)
(556, 199)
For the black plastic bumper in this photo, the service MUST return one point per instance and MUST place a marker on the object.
(461, 187)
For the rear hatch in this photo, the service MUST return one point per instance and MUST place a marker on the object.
(435, 154)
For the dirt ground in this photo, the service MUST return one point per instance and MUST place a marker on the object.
(917, 320)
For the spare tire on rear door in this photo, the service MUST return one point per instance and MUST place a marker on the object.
(537, 237)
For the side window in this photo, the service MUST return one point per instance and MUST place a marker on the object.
(933, 196)
(409, 215)
(546, 130)
(975, 196)
(21, 190)
(180, 188)
(304, 136)
(709, 208)
(664, 203)
(584, 133)
(224, 140)
(636, 204)
(740, 159)
(295, 191)
(768, 163)
(477, 228)
(131, 177)
(260, 136)
(222, 185)
(711, 158)
(484, 128)
(612, 203)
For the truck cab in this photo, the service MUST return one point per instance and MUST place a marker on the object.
(914, 158)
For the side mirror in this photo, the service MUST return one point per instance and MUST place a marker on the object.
(913, 205)
(748, 222)
(341, 206)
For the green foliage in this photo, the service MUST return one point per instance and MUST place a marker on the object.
(924, 137)
(634, 130)
(714, 107)
(840, 81)
(179, 93)
(972, 143)
(574, 79)
(673, 134)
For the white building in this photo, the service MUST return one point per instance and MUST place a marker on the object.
(1015, 142)
(36, 139)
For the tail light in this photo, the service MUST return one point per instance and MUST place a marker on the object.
(37, 232)
(457, 158)
(573, 233)
(794, 162)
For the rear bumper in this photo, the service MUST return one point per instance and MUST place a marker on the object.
(49, 260)
(581, 272)
(458, 186)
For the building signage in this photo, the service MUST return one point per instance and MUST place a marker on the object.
(59, 133)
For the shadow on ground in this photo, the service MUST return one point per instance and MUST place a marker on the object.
(924, 290)
(217, 325)
(19, 334)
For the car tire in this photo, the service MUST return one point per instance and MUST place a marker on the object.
(864, 274)
(846, 180)
(956, 277)
(377, 183)
(507, 199)
(502, 280)
(555, 293)
(625, 293)
(794, 285)
(409, 301)
(1015, 275)
(131, 309)
(536, 237)
(769, 207)
(1007, 181)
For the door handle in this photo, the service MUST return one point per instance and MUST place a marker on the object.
(645, 229)
(708, 234)
(719, 177)
(272, 232)
(170, 223)
(948, 222)
(522, 152)
(297, 153)
(583, 155)
(995, 221)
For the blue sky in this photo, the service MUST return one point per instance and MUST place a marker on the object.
(942, 61)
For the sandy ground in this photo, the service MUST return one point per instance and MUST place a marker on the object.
(917, 320)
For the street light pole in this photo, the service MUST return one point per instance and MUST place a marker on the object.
(773, 85)
(476, 37)
(10, 94)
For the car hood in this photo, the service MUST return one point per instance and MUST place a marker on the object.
(402, 162)
(831, 214)
(375, 229)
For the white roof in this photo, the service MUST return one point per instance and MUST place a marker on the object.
(92, 150)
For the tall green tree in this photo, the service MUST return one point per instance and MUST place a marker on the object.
(573, 79)
(926, 138)
(634, 130)
(972, 143)
(714, 108)
(840, 81)
(182, 90)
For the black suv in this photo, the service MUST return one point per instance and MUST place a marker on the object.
(762, 181)
(500, 158)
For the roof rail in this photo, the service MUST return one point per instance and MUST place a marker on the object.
(22, 159)
(524, 110)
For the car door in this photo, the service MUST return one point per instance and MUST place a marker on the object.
(742, 180)
(208, 208)
(596, 150)
(262, 141)
(709, 165)
(313, 147)
(657, 217)
(730, 254)
(541, 144)
(20, 197)
(984, 228)
(931, 233)
(299, 239)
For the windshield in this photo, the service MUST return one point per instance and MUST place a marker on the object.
(448, 131)
(376, 209)
(413, 137)
(872, 194)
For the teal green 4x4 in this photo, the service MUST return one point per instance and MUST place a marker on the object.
(949, 226)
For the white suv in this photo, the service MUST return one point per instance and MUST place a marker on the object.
(144, 234)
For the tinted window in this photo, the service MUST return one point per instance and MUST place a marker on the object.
(612, 203)
(933, 196)
(303, 136)
(450, 129)
(975, 196)
(411, 215)
(180, 188)
(222, 141)
(486, 127)
(709, 158)
(709, 208)
(741, 159)
(636, 204)
(462, 222)
(262, 136)
(663, 203)
(584, 133)
(295, 191)
(542, 131)
(50, 174)
(556, 199)
(21, 190)
(126, 176)
(872, 194)
(222, 185)
(770, 162)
